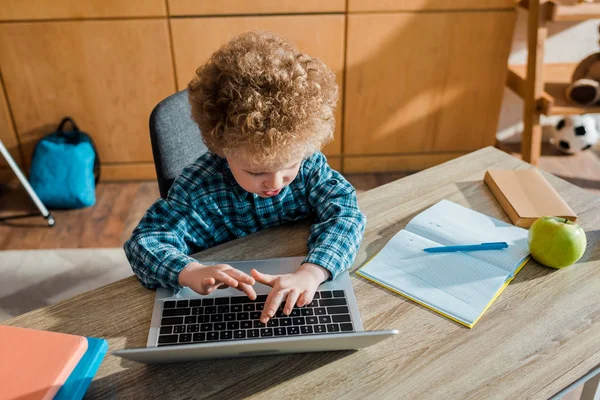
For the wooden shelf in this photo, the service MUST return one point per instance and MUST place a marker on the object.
(580, 12)
(553, 101)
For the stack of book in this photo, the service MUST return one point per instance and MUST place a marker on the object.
(38, 364)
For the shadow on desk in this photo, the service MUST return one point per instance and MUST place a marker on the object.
(229, 378)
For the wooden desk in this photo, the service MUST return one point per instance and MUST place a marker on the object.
(540, 335)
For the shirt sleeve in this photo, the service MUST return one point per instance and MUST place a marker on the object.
(338, 229)
(159, 247)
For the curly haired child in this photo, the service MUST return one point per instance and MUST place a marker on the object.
(264, 110)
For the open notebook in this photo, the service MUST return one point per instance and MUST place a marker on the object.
(460, 285)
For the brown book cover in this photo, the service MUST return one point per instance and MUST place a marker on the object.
(525, 195)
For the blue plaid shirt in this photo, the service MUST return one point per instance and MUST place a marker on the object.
(206, 207)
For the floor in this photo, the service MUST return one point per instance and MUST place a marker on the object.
(120, 206)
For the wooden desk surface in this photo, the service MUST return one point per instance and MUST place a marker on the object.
(541, 334)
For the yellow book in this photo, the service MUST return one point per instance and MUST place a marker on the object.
(458, 285)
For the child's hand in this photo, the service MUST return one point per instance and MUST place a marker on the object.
(298, 287)
(205, 279)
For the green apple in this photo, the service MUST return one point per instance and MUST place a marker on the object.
(556, 242)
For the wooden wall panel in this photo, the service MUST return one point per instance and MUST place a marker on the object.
(108, 75)
(11, 10)
(231, 7)
(424, 82)
(7, 133)
(430, 5)
(320, 36)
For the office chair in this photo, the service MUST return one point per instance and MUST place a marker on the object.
(175, 137)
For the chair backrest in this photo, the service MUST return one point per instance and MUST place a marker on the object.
(176, 139)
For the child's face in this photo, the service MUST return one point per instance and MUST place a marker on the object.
(263, 182)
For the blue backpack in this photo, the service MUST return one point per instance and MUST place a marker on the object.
(65, 168)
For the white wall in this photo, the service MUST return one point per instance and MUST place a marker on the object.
(567, 42)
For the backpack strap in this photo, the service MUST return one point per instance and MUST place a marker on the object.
(76, 138)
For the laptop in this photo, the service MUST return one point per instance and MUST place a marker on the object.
(187, 326)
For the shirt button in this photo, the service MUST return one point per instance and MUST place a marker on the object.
(333, 182)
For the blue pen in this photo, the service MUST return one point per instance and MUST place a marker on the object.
(471, 247)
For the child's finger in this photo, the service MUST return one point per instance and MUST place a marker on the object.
(274, 299)
(240, 276)
(208, 282)
(292, 297)
(265, 279)
(248, 289)
(226, 279)
(305, 298)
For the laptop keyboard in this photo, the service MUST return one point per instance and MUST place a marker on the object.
(237, 318)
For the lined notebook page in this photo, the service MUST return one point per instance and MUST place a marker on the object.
(451, 224)
(456, 284)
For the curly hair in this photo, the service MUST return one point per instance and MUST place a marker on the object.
(259, 95)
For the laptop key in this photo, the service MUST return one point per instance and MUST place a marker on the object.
(280, 332)
(229, 317)
(195, 303)
(332, 302)
(165, 330)
(248, 307)
(226, 335)
(320, 329)
(210, 310)
(338, 310)
(341, 318)
(222, 300)
(179, 329)
(253, 333)
(190, 320)
(280, 314)
(231, 326)
(168, 339)
(320, 311)
(261, 298)
(220, 326)
(324, 319)
(174, 312)
(203, 319)
(306, 311)
(208, 302)
(193, 328)
(225, 309)
(258, 324)
(172, 321)
(271, 323)
(243, 316)
(333, 328)
(326, 294)
(197, 311)
(346, 327)
(182, 303)
(216, 318)
(260, 306)
(312, 304)
(338, 293)
(298, 321)
(169, 304)
(306, 329)
(206, 327)
(236, 307)
(295, 312)
(285, 322)
(212, 336)
(317, 296)
(240, 300)
(185, 338)
(246, 324)
(255, 315)
(266, 332)
(199, 337)
(239, 335)
(293, 330)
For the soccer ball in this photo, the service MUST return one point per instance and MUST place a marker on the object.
(575, 133)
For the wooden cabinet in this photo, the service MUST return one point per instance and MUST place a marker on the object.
(12, 10)
(424, 82)
(9, 139)
(428, 5)
(233, 7)
(322, 36)
(107, 75)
